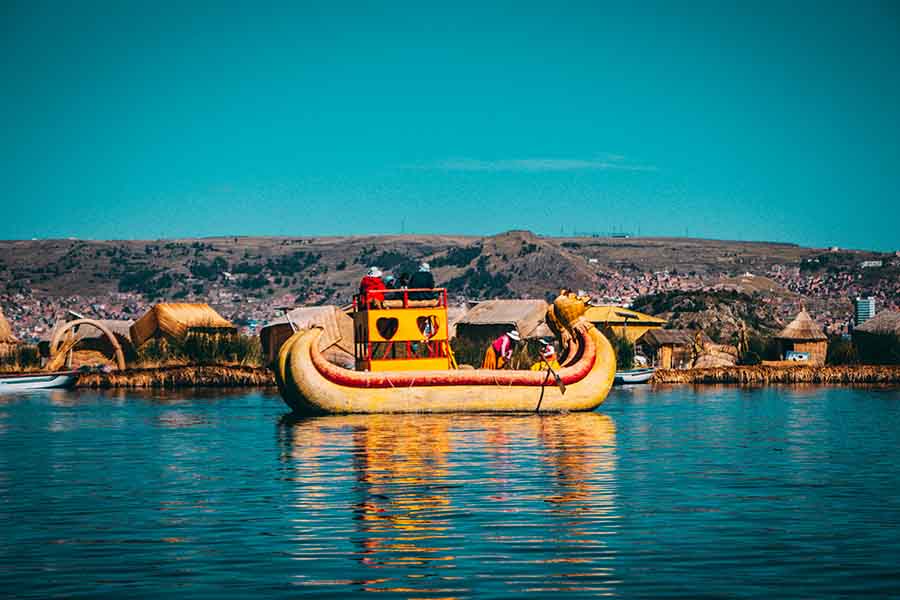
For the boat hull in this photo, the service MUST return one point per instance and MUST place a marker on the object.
(37, 381)
(310, 385)
(634, 376)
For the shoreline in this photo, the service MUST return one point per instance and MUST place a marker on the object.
(183, 376)
(765, 375)
(224, 376)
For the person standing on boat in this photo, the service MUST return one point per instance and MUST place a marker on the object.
(549, 359)
(422, 279)
(499, 353)
(371, 288)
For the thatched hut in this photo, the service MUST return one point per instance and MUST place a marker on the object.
(336, 343)
(8, 341)
(804, 335)
(491, 318)
(878, 339)
(673, 348)
(622, 322)
(176, 320)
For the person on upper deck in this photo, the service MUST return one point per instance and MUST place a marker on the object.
(499, 353)
(422, 279)
(372, 286)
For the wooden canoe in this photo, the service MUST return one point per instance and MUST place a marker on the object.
(309, 384)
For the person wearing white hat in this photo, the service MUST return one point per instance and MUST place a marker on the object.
(422, 279)
(499, 353)
(371, 288)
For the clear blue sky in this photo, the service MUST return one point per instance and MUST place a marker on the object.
(156, 119)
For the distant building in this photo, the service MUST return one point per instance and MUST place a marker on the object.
(672, 348)
(491, 318)
(865, 309)
(622, 322)
(336, 341)
(176, 320)
(878, 341)
(804, 336)
(869, 264)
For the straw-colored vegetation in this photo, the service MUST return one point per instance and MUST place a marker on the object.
(761, 375)
(180, 376)
(201, 349)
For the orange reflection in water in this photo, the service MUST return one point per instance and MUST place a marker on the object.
(416, 476)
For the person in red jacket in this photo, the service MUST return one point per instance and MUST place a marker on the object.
(371, 288)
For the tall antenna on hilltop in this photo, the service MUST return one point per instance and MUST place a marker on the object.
(403, 225)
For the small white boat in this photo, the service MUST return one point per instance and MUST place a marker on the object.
(633, 376)
(37, 381)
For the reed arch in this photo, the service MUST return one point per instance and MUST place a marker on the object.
(59, 339)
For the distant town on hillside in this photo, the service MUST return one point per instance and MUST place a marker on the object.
(250, 280)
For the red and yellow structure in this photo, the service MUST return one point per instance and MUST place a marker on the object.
(401, 330)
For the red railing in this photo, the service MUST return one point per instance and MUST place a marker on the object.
(364, 300)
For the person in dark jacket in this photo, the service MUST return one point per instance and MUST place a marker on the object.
(422, 279)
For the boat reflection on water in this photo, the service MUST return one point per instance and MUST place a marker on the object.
(440, 501)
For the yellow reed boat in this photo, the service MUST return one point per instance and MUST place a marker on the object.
(404, 364)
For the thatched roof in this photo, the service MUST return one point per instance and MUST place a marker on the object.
(802, 328)
(884, 323)
(6, 334)
(673, 337)
(525, 315)
(616, 315)
(176, 320)
(454, 314)
(337, 324)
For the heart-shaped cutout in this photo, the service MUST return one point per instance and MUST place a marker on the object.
(428, 325)
(387, 327)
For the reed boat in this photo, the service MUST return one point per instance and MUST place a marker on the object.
(37, 381)
(404, 364)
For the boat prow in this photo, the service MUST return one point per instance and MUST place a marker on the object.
(310, 384)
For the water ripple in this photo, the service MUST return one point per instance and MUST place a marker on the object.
(673, 492)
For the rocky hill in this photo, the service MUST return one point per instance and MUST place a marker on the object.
(246, 277)
(516, 263)
(719, 313)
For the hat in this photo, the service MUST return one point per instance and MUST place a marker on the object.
(514, 336)
(548, 351)
(374, 272)
(424, 267)
(389, 278)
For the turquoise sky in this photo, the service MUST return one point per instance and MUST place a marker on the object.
(156, 119)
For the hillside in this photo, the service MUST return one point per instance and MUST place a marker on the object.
(513, 263)
(246, 277)
(719, 313)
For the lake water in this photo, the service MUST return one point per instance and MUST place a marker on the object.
(707, 492)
